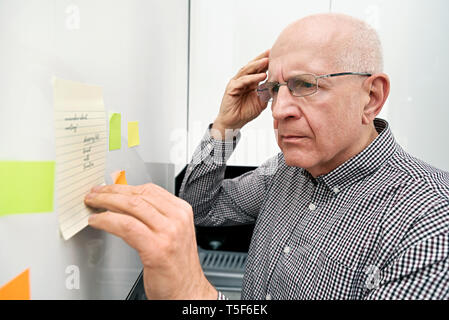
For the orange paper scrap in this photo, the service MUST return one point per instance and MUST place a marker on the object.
(121, 178)
(114, 176)
(18, 288)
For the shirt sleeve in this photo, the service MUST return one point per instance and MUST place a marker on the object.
(219, 202)
(420, 268)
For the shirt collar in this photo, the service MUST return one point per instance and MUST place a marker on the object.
(366, 163)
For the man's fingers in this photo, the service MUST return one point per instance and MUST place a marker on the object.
(125, 189)
(134, 205)
(246, 82)
(253, 67)
(164, 201)
(115, 188)
(264, 54)
(132, 231)
(128, 199)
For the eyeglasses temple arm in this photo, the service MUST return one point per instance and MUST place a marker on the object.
(345, 74)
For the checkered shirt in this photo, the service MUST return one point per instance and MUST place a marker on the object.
(377, 227)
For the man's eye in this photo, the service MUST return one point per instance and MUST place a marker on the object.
(274, 88)
(304, 84)
(308, 85)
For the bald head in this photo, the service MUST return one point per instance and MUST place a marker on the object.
(344, 43)
(322, 130)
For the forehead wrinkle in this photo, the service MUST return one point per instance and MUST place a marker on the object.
(303, 64)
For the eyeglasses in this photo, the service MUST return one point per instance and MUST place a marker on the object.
(300, 86)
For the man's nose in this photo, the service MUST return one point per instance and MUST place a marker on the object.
(285, 105)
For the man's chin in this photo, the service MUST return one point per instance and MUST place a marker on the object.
(298, 160)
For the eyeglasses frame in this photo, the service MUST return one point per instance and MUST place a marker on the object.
(316, 80)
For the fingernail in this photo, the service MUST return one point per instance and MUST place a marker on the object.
(96, 188)
(89, 196)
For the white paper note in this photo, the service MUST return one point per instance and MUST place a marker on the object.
(81, 145)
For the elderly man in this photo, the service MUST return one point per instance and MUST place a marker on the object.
(342, 213)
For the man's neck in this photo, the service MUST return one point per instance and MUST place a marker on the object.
(345, 155)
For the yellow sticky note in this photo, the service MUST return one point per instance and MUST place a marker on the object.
(121, 178)
(133, 134)
(26, 187)
(18, 288)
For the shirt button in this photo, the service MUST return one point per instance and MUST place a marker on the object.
(336, 190)
(287, 250)
(312, 207)
(268, 297)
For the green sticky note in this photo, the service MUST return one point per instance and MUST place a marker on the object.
(115, 131)
(133, 134)
(26, 187)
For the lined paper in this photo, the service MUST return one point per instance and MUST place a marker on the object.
(81, 145)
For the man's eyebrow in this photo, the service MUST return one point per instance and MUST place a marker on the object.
(297, 73)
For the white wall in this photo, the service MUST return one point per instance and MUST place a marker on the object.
(414, 35)
(225, 35)
(137, 51)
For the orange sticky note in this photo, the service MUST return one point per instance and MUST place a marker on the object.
(18, 288)
(121, 178)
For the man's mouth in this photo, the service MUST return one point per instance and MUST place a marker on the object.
(292, 139)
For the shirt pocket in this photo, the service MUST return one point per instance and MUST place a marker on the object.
(351, 243)
(329, 279)
(338, 262)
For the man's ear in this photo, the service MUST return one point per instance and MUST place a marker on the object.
(378, 88)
